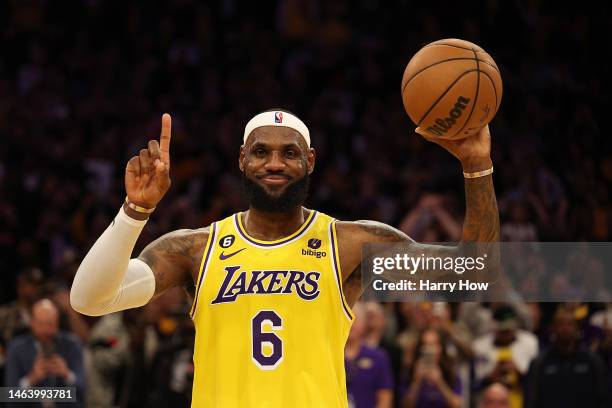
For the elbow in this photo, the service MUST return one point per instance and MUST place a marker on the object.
(80, 304)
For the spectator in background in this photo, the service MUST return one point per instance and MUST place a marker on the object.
(433, 382)
(47, 357)
(430, 212)
(605, 352)
(15, 317)
(504, 356)
(519, 227)
(369, 380)
(119, 372)
(375, 336)
(495, 395)
(172, 365)
(564, 375)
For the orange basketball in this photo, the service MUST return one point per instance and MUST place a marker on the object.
(451, 88)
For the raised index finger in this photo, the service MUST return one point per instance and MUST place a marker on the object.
(164, 139)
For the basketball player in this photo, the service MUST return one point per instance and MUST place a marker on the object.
(274, 284)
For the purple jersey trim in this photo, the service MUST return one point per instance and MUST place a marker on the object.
(273, 244)
(332, 239)
(212, 237)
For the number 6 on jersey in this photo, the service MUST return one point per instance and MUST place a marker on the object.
(261, 338)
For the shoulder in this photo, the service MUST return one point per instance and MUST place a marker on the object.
(20, 342)
(483, 343)
(8, 309)
(589, 356)
(181, 242)
(527, 338)
(362, 231)
(545, 357)
(376, 353)
(69, 339)
(175, 256)
(192, 235)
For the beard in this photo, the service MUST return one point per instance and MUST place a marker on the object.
(294, 195)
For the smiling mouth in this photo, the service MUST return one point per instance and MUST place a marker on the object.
(274, 179)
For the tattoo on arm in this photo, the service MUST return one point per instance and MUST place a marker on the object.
(481, 225)
(174, 257)
(482, 216)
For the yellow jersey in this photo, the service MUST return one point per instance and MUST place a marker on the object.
(271, 319)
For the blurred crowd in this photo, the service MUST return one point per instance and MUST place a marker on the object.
(84, 83)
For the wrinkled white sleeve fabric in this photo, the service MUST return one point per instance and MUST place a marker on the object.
(108, 280)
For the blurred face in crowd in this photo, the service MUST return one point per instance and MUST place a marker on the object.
(375, 317)
(504, 337)
(495, 396)
(45, 321)
(432, 345)
(28, 291)
(419, 315)
(276, 164)
(519, 213)
(565, 328)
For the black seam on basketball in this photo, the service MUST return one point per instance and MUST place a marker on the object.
(434, 64)
(469, 49)
(489, 64)
(453, 45)
(444, 93)
(475, 97)
(463, 48)
(493, 85)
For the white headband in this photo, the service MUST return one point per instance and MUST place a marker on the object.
(277, 118)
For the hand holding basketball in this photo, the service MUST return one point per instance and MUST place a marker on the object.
(147, 176)
(474, 152)
(451, 89)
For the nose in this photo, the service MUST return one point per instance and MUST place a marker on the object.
(275, 162)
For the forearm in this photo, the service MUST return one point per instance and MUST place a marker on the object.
(107, 281)
(481, 215)
(452, 400)
(411, 397)
(448, 224)
(384, 398)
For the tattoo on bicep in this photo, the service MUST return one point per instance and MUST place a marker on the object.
(174, 254)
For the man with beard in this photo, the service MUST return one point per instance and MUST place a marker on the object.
(273, 284)
(566, 375)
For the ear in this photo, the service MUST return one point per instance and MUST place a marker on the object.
(241, 158)
(310, 160)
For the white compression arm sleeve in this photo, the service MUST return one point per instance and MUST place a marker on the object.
(108, 280)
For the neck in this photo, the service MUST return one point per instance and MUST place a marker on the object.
(270, 226)
(566, 347)
(374, 338)
(23, 303)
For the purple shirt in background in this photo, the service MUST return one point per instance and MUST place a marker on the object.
(431, 397)
(368, 373)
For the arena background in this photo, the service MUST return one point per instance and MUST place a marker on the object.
(83, 85)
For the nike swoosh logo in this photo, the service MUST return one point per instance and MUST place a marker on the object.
(223, 257)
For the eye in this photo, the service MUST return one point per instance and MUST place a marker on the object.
(291, 154)
(259, 152)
